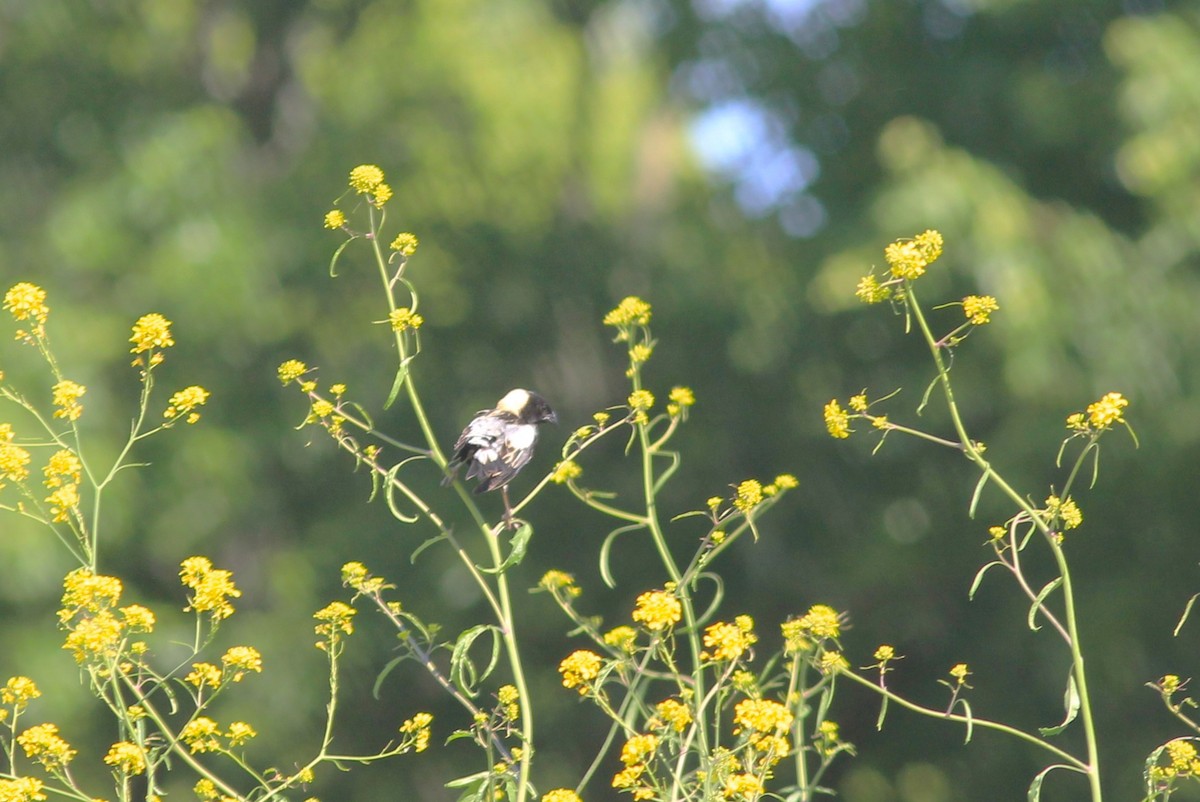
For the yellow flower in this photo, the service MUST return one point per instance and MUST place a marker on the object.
(832, 662)
(335, 219)
(213, 587)
(837, 420)
(18, 691)
(62, 501)
(204, 674)
(404, 318)
(355, 575)
(1170, 683)
(762, 715)
(639, 749)
(885, 653)
(43, 744)
(151, 332)
(365, 177)
(1066, 511)
(84, 590)
(657, 610)
(785, 481)
(561, 795)
(337, 619)
(241, 659)
(381, 194)
(66, 397)
(749, 495)
(676, 714)
(63, 467)
(909, 259)
(1182, 754)
(728, 641)
(579, 668)
(631, 311)
(291, 370)
(186, 400)
(622, 637)
(126, 758)
(239, 733)
(200, 734)
(640, 353)
(406, 243)
(1107, 411)
(418, 727)
(978, 308)
(822, 621)
(138, 618)
(960, 672)
(742, 786)
(13, 461)
(565, 471)
(22, 789)
(641, 400)
(25, 300)
(869, 291)
(557, 580)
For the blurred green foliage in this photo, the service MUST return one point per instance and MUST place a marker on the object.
(178, 157)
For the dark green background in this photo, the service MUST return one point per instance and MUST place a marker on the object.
(178, 157)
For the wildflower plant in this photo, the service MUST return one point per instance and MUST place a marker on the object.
(162, 707)
(1035, 534)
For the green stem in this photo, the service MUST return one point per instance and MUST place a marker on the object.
(1092, 767)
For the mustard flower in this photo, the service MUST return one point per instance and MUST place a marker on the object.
(1182, 754)
(185, 401)
(795, 636)
(657, 610)
(640, 353)
(579, 668)
(126, 758)
(822, 621)
(639, 749)
(94, 637)
(86, 591)
(557, 580)
(14, 460)
(337, 619)
(291, 370)
(25, 301)
(837, 420)
(405, 243)
(509, 697)
(674, 714)
(66, 397)
(355, 575)
(43, 744)
(681, 399)
(404, 319)
(137, 618)
(641, 400)
(240, 659)
(381, 195)
(870, 291)
(150, 332)
(742, 786)
(419, 728)
(204, 674)
(335, 219)
(727, 641)
(601, 418)
(213, 587)
(62, 501)
(1107, 411)
(19, 691)
(832, 662)
(959, 672)
(239, 733)
(632, 311)
(1067, 511)
(200, 734)
(565, 471)
(978, 308)
(885, 653)
(622, 637)
(63, 467)
(561, 795)
(749, 495)
(909, 259)
(762, 715)
(21, 789)
(365, 178)
(1170, 683)
(786, 481)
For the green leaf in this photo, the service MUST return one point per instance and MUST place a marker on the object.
(983, 480)
(1049, 588)
(463, 671)
(1035, 787)
(336, 255)
(1070, 703)
(438, 538)
(606, 552)
(390, 496)
(883, 706)
(1187, 610)
(979, 578)
(519, 543)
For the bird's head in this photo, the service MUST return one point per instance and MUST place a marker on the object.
(528, 406)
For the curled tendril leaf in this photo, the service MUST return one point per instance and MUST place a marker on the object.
(463, 670)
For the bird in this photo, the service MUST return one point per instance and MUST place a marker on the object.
(499, 442)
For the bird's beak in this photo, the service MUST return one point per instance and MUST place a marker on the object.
(551, 418)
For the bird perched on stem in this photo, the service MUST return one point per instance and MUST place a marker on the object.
(497, 443)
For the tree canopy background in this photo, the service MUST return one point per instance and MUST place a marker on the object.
(739, 164)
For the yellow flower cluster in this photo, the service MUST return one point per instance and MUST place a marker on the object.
(821, 622)
(742, 786)
(337, 619)
(94, 631)
(201, 734)
(18, 692)
(355, 575)
(21, 789)
(63, 472)
(14, 460)
(43, 744)
(212, 587)
(238, 660)
(623, 638)
(291, 370)
(185, 402)
(127, 758)
(579, 668)
(637, 752)
(565, 471)
(25, 301)
(762, 716)
(66, 397)
(1066, 511)
(749, 495)
(367, 179)
(554, 580)
(729, 641)
(405, 243)
(561, 795)
(404, 319)
(632, 311)
(674, 714)
(959, 673)
(335, 219)
(657, 610)
(418, 728)
(837, 420)
(151, 332)
(978, 308)
(509, 698)
(908, 259)
(681, 399)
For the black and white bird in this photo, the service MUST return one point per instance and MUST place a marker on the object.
(497, 443)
